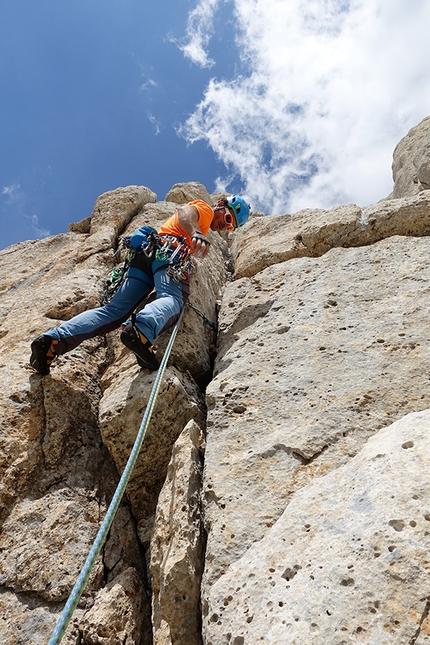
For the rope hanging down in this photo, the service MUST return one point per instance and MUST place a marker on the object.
(82, 580)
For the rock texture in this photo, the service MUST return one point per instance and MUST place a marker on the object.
(314, 232)
(177, 545)
(60, 458)
(187, 192)
(411, 161)
(348, 560)
(282, 494)
(314, 356)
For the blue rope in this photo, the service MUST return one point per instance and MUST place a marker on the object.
(82, 580)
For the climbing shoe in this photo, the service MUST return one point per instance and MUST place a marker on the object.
(132, 338)
(42, 354)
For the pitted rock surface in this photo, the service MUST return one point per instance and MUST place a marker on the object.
(274, 463)
(57, 476)
(348, 559)
(314, 355)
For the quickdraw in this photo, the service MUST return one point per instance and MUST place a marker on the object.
(209, 323)
(181, 263)
(167, 247)
(117, 275)
(162, 248)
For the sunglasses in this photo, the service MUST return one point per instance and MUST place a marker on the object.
(228, 219)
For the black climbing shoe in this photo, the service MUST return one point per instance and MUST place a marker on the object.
(132, 338)
(42, 354)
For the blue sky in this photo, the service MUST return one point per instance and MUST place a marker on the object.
(91, 94)
(296, 104)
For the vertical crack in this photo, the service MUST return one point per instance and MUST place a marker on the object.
(423, 618)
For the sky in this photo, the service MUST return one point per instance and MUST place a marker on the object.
(292, 103)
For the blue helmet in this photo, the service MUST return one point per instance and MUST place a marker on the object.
(239, 208)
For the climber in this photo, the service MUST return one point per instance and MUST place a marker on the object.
(161, 260)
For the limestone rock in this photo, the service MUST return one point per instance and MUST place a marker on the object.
(348, 559)
(411, 161)
(33, 287)
(177, 545)
(264, 241)
(313, 533)
(118, 614)
(48, 561)
(121, 411)
(24, 620)
(183, 193)
(57, 478)
(116, 208)
(112, 212)
(83, 226)
(314, 354)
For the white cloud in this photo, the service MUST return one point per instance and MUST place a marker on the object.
(12, 192)
(16, 201)
(155, 122)
(199, 29)
(39, 232)
(148, 84)
(331, 87)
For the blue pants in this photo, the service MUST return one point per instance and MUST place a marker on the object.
(157, 316)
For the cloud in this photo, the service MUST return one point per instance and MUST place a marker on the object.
(15, 210)
(12, 192)
(199, 29)
(39, 232)
(328, 88)
(155, 122)
(147, 85)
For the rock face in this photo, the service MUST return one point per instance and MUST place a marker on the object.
(282, 494)
(347, 561)
(187, 192)
(64, 439)
(177, 545)
(411, 161)
(314, 356)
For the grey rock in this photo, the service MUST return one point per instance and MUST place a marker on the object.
(177, 545)
(116, 208)
(83, 226)
(411, 161)
(183, 193)
(314, 354)
(57, 477)
(121, 411)
(316, 407)
(348, 559)
(265, 241)
(119, 613)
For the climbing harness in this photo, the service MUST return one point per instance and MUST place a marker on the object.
(163, 248)
(101, 536)
(182, 265)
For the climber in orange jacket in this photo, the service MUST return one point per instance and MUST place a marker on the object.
(160, 261)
